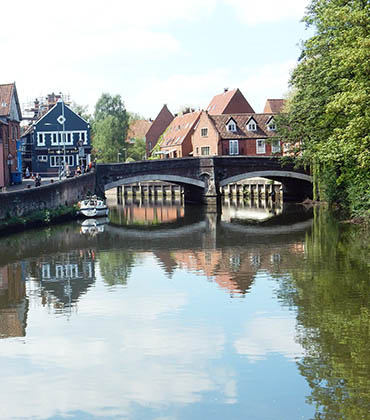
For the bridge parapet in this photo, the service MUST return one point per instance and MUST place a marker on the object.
(202, 177)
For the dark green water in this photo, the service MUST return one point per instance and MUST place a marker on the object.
(171, 313)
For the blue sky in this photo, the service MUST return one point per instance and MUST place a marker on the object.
(151, 52)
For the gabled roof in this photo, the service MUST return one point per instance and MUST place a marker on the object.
(242, 131)
(7, 92)
(229, 102)
(179, 128)
(138, 129)
(158, 126)
(274, 106)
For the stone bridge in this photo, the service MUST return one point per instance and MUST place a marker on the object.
(203, 177)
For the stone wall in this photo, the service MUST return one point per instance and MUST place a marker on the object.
(50, 196)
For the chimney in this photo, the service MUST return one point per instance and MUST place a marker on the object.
(226, 89)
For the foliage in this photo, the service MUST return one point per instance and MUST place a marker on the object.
(136, 151)
(328, 118)
(38, 218)
(82, 111)
(109, 127)
(331, 294)
(116, 266)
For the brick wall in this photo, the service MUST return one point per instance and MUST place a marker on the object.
(50, 196)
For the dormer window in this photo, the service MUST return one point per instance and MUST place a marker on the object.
(252, 125)
(231, 126)
(271, 126)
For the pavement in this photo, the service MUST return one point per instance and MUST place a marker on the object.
(28, 183)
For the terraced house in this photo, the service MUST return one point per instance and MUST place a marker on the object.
(10, 145)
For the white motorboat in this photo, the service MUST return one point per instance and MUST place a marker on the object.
(92, 226)
(93, 207)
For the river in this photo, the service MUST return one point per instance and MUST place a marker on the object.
(168, 313)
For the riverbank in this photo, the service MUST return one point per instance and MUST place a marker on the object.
(38, 218)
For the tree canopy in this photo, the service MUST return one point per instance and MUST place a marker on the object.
(109, 127)
(328, 112)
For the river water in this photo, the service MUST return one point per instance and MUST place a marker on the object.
(167, 312)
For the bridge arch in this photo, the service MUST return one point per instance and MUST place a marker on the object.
(266, 174)
(155, 177)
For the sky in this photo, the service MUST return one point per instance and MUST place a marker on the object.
(179, 53)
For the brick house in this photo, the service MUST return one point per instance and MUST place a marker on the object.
(274, 106)
(235, 134)
(157, 128)
(176, 140)
(229, 102)
(10, 117)
(137, 130)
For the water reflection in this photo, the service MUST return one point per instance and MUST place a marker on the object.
(13, 302)
(194, 318)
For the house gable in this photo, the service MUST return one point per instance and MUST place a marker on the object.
(274, 106)
(229, 102)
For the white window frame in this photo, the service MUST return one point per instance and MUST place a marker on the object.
(231, 126)
(252, 126)
(204, 132)
(271, 126)
(260, 146)
(205, 150)
(40, 139)
(233, 147)
(42, 158)
(57, 160)
(275, 146)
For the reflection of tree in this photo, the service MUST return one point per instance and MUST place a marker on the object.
(115, 266)
(332, 294)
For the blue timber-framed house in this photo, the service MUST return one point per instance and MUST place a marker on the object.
(59, 137)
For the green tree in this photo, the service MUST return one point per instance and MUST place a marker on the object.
(109, 127)
(331, 295)
(328, 118)
(82, 111)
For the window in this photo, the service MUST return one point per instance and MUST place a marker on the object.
(57, 160)
(231, 126)
(42, 158)
(54, 139)
(40, 139)
(252, 126)
(234, 147)
(205, 150)
(275, 146)
(204, 132)
(260, 146)
(286, 147)
(272, 126)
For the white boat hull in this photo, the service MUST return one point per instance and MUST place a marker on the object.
(93, 207)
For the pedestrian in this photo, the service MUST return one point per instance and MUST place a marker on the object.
(27, 173)
(78, 170)
(37, 180)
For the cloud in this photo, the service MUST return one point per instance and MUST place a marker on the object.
(146, 359)
(180, 89)
(269, 335)
(255, 13)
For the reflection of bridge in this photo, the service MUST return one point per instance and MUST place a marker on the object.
(204, 233)
(203, 177)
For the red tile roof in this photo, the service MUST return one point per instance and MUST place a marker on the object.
(158, 126)
(179, 128)
(241, 121)
(228, 102)
(274, 106)
(6, 92)
(138, 129)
